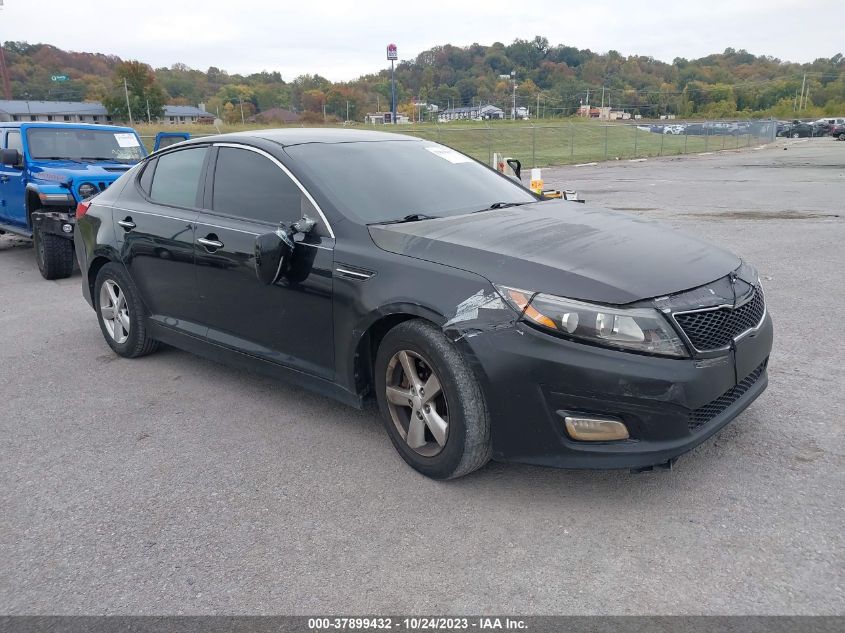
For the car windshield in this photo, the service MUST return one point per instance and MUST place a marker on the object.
(83, 145)
(390, 180)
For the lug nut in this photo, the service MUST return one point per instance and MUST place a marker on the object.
(427, 409)
(419, 415)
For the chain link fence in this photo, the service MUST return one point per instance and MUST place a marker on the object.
(562, 143)
(542, 145)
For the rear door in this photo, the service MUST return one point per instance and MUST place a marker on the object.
(12, 183)
(248, 193)
(155, 220)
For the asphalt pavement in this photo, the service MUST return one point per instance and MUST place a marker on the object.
(173, 485)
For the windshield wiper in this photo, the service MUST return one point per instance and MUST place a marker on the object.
(73, 160)
(411, 217)
(108, 158)
(501, 205)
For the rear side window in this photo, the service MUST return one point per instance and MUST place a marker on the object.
(251, 186)
(13, 141)
(146, 179)
(177, 177)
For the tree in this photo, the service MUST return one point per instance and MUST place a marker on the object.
(145, 95)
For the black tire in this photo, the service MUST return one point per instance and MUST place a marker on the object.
(468, 445)
(53, 254)
(842, 137)
(138, 343)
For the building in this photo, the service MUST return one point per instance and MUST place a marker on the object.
(176, 115)
(90, 112)
(67, 111)
(473, 112)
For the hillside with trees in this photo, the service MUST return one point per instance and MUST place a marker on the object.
(554, 78)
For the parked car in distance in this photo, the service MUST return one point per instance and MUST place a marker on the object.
(838, 132)
(485, 320)
(798, 129)
(46, 169)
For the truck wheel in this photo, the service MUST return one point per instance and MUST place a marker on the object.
(120, 313)
(431, 403)
(54, 254)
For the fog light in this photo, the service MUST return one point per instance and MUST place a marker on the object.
(594, 429)
(67, 228)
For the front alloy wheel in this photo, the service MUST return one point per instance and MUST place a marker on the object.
(417, 403)
(114, 311)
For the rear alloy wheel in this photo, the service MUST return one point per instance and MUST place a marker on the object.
(120, 314)
(431, 403)
(53, 254)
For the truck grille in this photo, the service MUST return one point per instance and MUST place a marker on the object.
(714, 329)
(703, 415)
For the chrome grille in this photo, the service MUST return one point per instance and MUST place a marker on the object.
(703, 415)
(715, 329)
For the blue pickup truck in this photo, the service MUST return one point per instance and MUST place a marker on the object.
(46, 170)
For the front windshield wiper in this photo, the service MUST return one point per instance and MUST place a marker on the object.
(108, 158)
(411, 217)
(501, 205)
(73, 160)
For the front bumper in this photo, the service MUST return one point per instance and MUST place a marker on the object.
(55, 223)
(531, 381)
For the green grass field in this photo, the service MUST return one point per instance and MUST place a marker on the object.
(534, 143)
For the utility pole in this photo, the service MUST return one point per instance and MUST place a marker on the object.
(4, 72)
(128, 107)
(602, 97)
(149, 118)
(537, 114)
(513, 111)
(241, 101)
(801, 101)
(324, 112)
(347, 109)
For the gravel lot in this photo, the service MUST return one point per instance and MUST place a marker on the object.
(173, 485)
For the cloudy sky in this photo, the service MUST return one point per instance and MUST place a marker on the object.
(342, 40)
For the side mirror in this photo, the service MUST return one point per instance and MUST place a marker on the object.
(514, 164)
(272, 254)
(10, 157)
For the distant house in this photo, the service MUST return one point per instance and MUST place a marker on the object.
(275, 115)
(90, 112)
(472, 112)
(174, 115)
(67, 111)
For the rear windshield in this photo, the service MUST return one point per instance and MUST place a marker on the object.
(388, 180)
(83, 145)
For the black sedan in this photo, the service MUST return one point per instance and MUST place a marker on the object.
(486, 321)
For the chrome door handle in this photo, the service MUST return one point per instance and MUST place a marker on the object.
(210, 243)
(127, 224)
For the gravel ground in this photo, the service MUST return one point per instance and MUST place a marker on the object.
(173, 485)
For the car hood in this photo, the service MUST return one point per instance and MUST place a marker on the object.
(77, 172)
(564, 248)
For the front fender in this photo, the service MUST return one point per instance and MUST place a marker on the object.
(51, 194)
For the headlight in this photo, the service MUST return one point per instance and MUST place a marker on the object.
(636, 329)
(86, 190)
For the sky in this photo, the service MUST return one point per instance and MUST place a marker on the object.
(343, 40)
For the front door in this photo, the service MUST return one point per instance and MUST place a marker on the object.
(12, 184)
(155, 223)
(289, 322)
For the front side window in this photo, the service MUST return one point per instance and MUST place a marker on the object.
(83, 145)
(250, 186)
(177, 175)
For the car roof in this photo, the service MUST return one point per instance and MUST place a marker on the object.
(59, 124)
(300, 136)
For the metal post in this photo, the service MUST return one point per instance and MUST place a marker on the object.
(533, 145)
(686, 138)
(605, 141)
(392, 94)
(662, 138)
(571, 141)
(706, 137)
(128, 107)
(636, 131)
